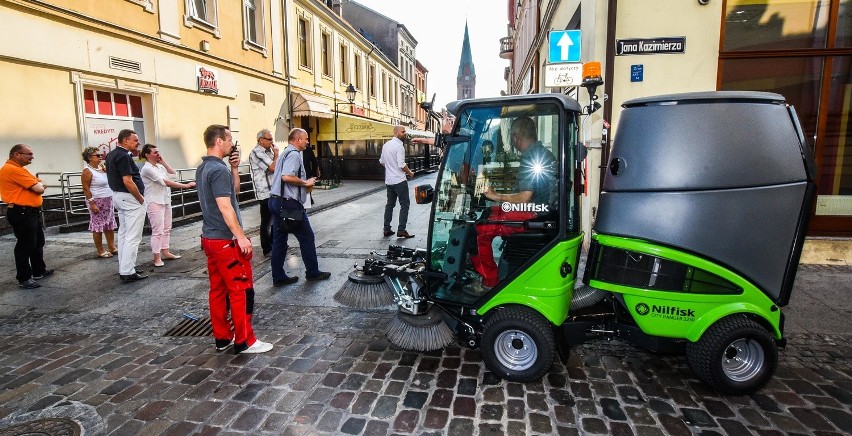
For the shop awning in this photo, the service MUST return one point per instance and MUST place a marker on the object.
(306, 105)
(351, 128)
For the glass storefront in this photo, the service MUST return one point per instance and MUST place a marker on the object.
(807, 47)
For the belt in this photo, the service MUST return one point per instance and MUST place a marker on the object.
(12, 206)
(275, 196)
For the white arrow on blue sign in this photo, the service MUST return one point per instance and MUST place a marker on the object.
(564, 46)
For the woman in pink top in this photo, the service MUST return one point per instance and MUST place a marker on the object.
(158, 178)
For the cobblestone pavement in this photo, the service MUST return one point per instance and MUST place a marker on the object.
(96, 352)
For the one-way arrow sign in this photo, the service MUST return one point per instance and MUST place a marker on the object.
(564, 46)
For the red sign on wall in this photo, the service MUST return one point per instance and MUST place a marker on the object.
(207, 80)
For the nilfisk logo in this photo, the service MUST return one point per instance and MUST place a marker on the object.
(524, 207)
(673, 313)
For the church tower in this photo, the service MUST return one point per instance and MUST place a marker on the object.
(466, 80)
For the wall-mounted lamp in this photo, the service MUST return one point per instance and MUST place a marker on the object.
(205, 45)
(703, 2)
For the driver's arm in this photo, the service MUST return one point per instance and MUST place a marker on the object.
(516, 197)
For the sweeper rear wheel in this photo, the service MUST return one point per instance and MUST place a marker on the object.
(735, 355)
(518, 344)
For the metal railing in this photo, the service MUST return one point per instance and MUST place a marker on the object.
(74, 202)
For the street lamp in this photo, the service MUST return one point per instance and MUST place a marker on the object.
(350, 95)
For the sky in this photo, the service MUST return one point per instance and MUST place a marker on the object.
(438, 27)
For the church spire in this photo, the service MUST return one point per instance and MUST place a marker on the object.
(466, 79)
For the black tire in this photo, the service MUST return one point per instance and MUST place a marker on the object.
(518, 344)
(736, 355)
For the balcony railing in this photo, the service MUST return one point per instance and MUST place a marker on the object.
(507, 47)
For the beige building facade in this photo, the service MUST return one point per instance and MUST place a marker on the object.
(801, 49)
(79, 71)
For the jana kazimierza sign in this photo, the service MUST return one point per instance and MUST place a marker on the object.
(642, 46)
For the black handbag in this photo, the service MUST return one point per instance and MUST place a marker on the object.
(291, 219)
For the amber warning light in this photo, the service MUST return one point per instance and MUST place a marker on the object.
(592, 74)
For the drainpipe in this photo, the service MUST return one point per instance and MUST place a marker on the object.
(287, 67)
(609, 76)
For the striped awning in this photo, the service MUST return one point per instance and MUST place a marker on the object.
(306, 105)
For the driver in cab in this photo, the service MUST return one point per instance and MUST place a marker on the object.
(534, 193)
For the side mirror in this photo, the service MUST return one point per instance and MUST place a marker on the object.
(424, 194)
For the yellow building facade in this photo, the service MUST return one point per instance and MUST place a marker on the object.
(76, 72)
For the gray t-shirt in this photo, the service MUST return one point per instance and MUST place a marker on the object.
(289, 164)
(213, 179)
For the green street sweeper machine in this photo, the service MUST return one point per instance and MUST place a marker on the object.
(695, 247)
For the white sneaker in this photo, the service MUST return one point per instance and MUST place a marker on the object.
(257, 347)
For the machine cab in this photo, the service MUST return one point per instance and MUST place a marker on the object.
(505, 193)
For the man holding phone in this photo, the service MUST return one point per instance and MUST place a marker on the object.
(226, 246)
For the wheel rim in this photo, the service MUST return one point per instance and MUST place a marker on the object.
(742, 360)
(515, 350)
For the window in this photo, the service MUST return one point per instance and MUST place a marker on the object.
(304, 43)
(384, 87)
(344, 64)
(371, 80)
(357, 68)
(253, 14)
(112, 104)
(812, 67)
(325, 47)
(202, 12)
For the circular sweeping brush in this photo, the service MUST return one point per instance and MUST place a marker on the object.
(425, 332)
(364, 291)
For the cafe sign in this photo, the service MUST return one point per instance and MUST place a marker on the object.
(649, 46)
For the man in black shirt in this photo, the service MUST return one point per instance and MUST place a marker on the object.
(128, 190)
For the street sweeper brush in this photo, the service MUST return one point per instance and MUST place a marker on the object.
(364, 291)
(424, 332)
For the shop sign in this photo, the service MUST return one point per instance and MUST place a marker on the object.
(643, 46)
(358, 110)
(102, 133)
(206, 79)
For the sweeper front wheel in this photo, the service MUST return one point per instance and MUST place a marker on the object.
(518, 344)
(735, 356)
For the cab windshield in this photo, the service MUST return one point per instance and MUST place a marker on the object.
(498, 196)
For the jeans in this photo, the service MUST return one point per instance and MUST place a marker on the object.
(131, 219)
(305, 236)
(29, 250)
(398, 191)
(265, 226)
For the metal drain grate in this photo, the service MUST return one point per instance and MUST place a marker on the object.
(49, 426)
(192, 327)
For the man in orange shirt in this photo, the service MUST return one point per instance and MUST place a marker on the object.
(22, 191)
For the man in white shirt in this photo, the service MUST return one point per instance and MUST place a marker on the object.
(262, 160)
(396, 170)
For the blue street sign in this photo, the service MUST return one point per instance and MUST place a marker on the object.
(564, 46)
(636, 72)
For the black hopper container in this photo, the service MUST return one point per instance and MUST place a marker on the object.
(724, 175)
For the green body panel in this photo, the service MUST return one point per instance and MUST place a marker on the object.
(541, 286)
(682, 314)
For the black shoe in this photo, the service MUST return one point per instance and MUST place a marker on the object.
(266, 253)
(321, 276)
(388, 233)
(404, 234)
(139, 271)
(223, 344)
(135, 277)
(47, 272)
(286, 281)
(29, 284)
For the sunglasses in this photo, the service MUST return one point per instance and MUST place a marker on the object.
(268, 139)
(28, 154)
